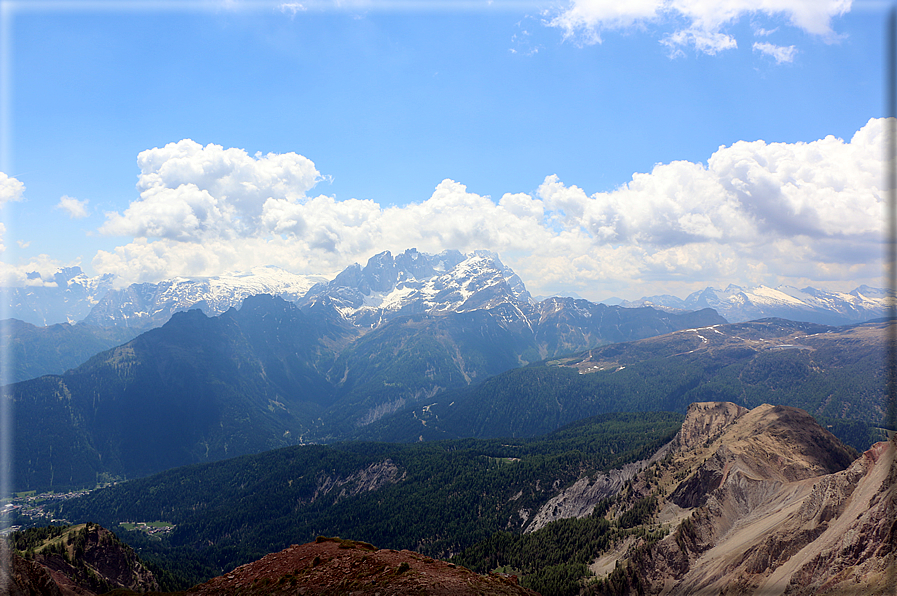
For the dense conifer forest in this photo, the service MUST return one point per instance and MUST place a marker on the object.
(436, 498)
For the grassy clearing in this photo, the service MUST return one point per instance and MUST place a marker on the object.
(149, 528)
(62, 539)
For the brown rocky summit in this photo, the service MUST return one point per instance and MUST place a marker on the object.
(332, 566)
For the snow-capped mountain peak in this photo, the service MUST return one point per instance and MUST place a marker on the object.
(150, 305)
(414, 282)
(66, 297)
(738, 304)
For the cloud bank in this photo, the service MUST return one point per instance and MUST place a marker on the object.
(704, 21)
(756, 212)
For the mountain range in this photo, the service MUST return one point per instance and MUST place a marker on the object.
(66, 297)
(836, 373)
(738, 304)
(257, 381)
(408, 347)
(389, 285)
(273, 374)
(147, 305)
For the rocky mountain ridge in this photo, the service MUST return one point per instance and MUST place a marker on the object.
(415, 282)
(750, 502)
(770, 503)
(82, 560)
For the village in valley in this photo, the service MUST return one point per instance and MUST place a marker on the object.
(28, 509)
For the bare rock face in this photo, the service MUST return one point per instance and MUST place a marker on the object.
(331, 566)
(20, 577)
(705, 421)
(85, 560)
(757, 452)
(579, 499)
(770, 504)
(856, 550)
(372, 478)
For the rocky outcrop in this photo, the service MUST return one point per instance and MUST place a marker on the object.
(85, 560)
(856, 549)
(770, 503)
(331, 566)
(374, 477)
(579, 500)
(20, 577)
(704, 422)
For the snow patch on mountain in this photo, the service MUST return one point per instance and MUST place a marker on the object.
(738, 304)
(407, 283)
(66, 297)
(151, 305)
(415, 282)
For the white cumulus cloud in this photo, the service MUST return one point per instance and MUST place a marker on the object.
(755, 212)
(75, 208)
(191, 192)
(705, 20)
(590, 17)
(21, 274)
(292, 8)
(10, 189)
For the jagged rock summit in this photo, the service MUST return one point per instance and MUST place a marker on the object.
(334, 567)
(763, 501)
(415, 282)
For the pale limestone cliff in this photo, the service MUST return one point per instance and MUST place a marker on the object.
(770, 504)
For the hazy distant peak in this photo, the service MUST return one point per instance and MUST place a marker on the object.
(738, 304)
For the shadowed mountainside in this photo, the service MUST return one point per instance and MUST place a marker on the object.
(265, 376)
(835, 373)
(36, 351)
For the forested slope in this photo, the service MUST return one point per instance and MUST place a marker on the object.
(436, 498)
(834, 373)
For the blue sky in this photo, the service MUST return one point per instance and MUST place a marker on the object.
(416, 122)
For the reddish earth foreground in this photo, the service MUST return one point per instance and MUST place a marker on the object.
(343, 567)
